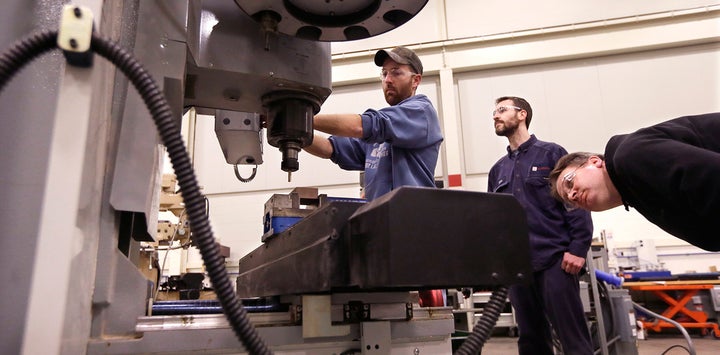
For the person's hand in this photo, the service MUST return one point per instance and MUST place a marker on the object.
(572, 264)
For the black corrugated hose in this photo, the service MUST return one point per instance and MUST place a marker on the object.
(484, 326)
(25, 50)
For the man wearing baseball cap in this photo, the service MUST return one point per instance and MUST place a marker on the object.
(395, 146)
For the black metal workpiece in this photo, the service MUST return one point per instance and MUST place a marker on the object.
(409, 239)
(432, 238)
(309, 257)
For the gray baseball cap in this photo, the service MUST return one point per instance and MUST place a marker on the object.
(400, 55)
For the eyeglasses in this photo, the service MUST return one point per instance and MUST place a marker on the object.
(502, 109)
(567, 185)
(394, 73)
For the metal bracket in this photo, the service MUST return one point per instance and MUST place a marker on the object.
(375, 338)
(356, 312)
(75, 35)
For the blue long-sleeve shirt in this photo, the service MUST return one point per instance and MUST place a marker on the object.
(552, 229)
(399, 147)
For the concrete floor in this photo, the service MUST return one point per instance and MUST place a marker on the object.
(656, 344)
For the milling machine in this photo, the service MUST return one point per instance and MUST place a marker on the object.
(251, 64)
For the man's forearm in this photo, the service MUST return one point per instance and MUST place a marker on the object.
(344, 125)
(320, 147)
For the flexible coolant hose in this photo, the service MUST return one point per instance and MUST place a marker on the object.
(484, 326)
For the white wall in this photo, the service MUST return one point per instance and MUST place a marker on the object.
(457, 20)
(590, 69)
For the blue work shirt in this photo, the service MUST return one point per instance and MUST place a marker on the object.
(553, 230)
(399, 147)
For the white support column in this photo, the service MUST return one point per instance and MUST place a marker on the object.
(454, 168)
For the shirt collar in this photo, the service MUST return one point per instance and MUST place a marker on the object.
(523, 147)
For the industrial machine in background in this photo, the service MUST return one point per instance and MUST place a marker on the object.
(609, 309)
(688, 299)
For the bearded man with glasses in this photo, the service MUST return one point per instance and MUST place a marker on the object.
(669, 172)
(559, 239)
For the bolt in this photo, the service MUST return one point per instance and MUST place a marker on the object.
(73, 43)
(77, 12)
(495, 275)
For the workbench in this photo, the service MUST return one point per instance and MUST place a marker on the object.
(676, 305)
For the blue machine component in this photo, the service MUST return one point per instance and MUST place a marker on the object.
(609, 278)
(660, 275)
(283, 211)
(276, 225)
